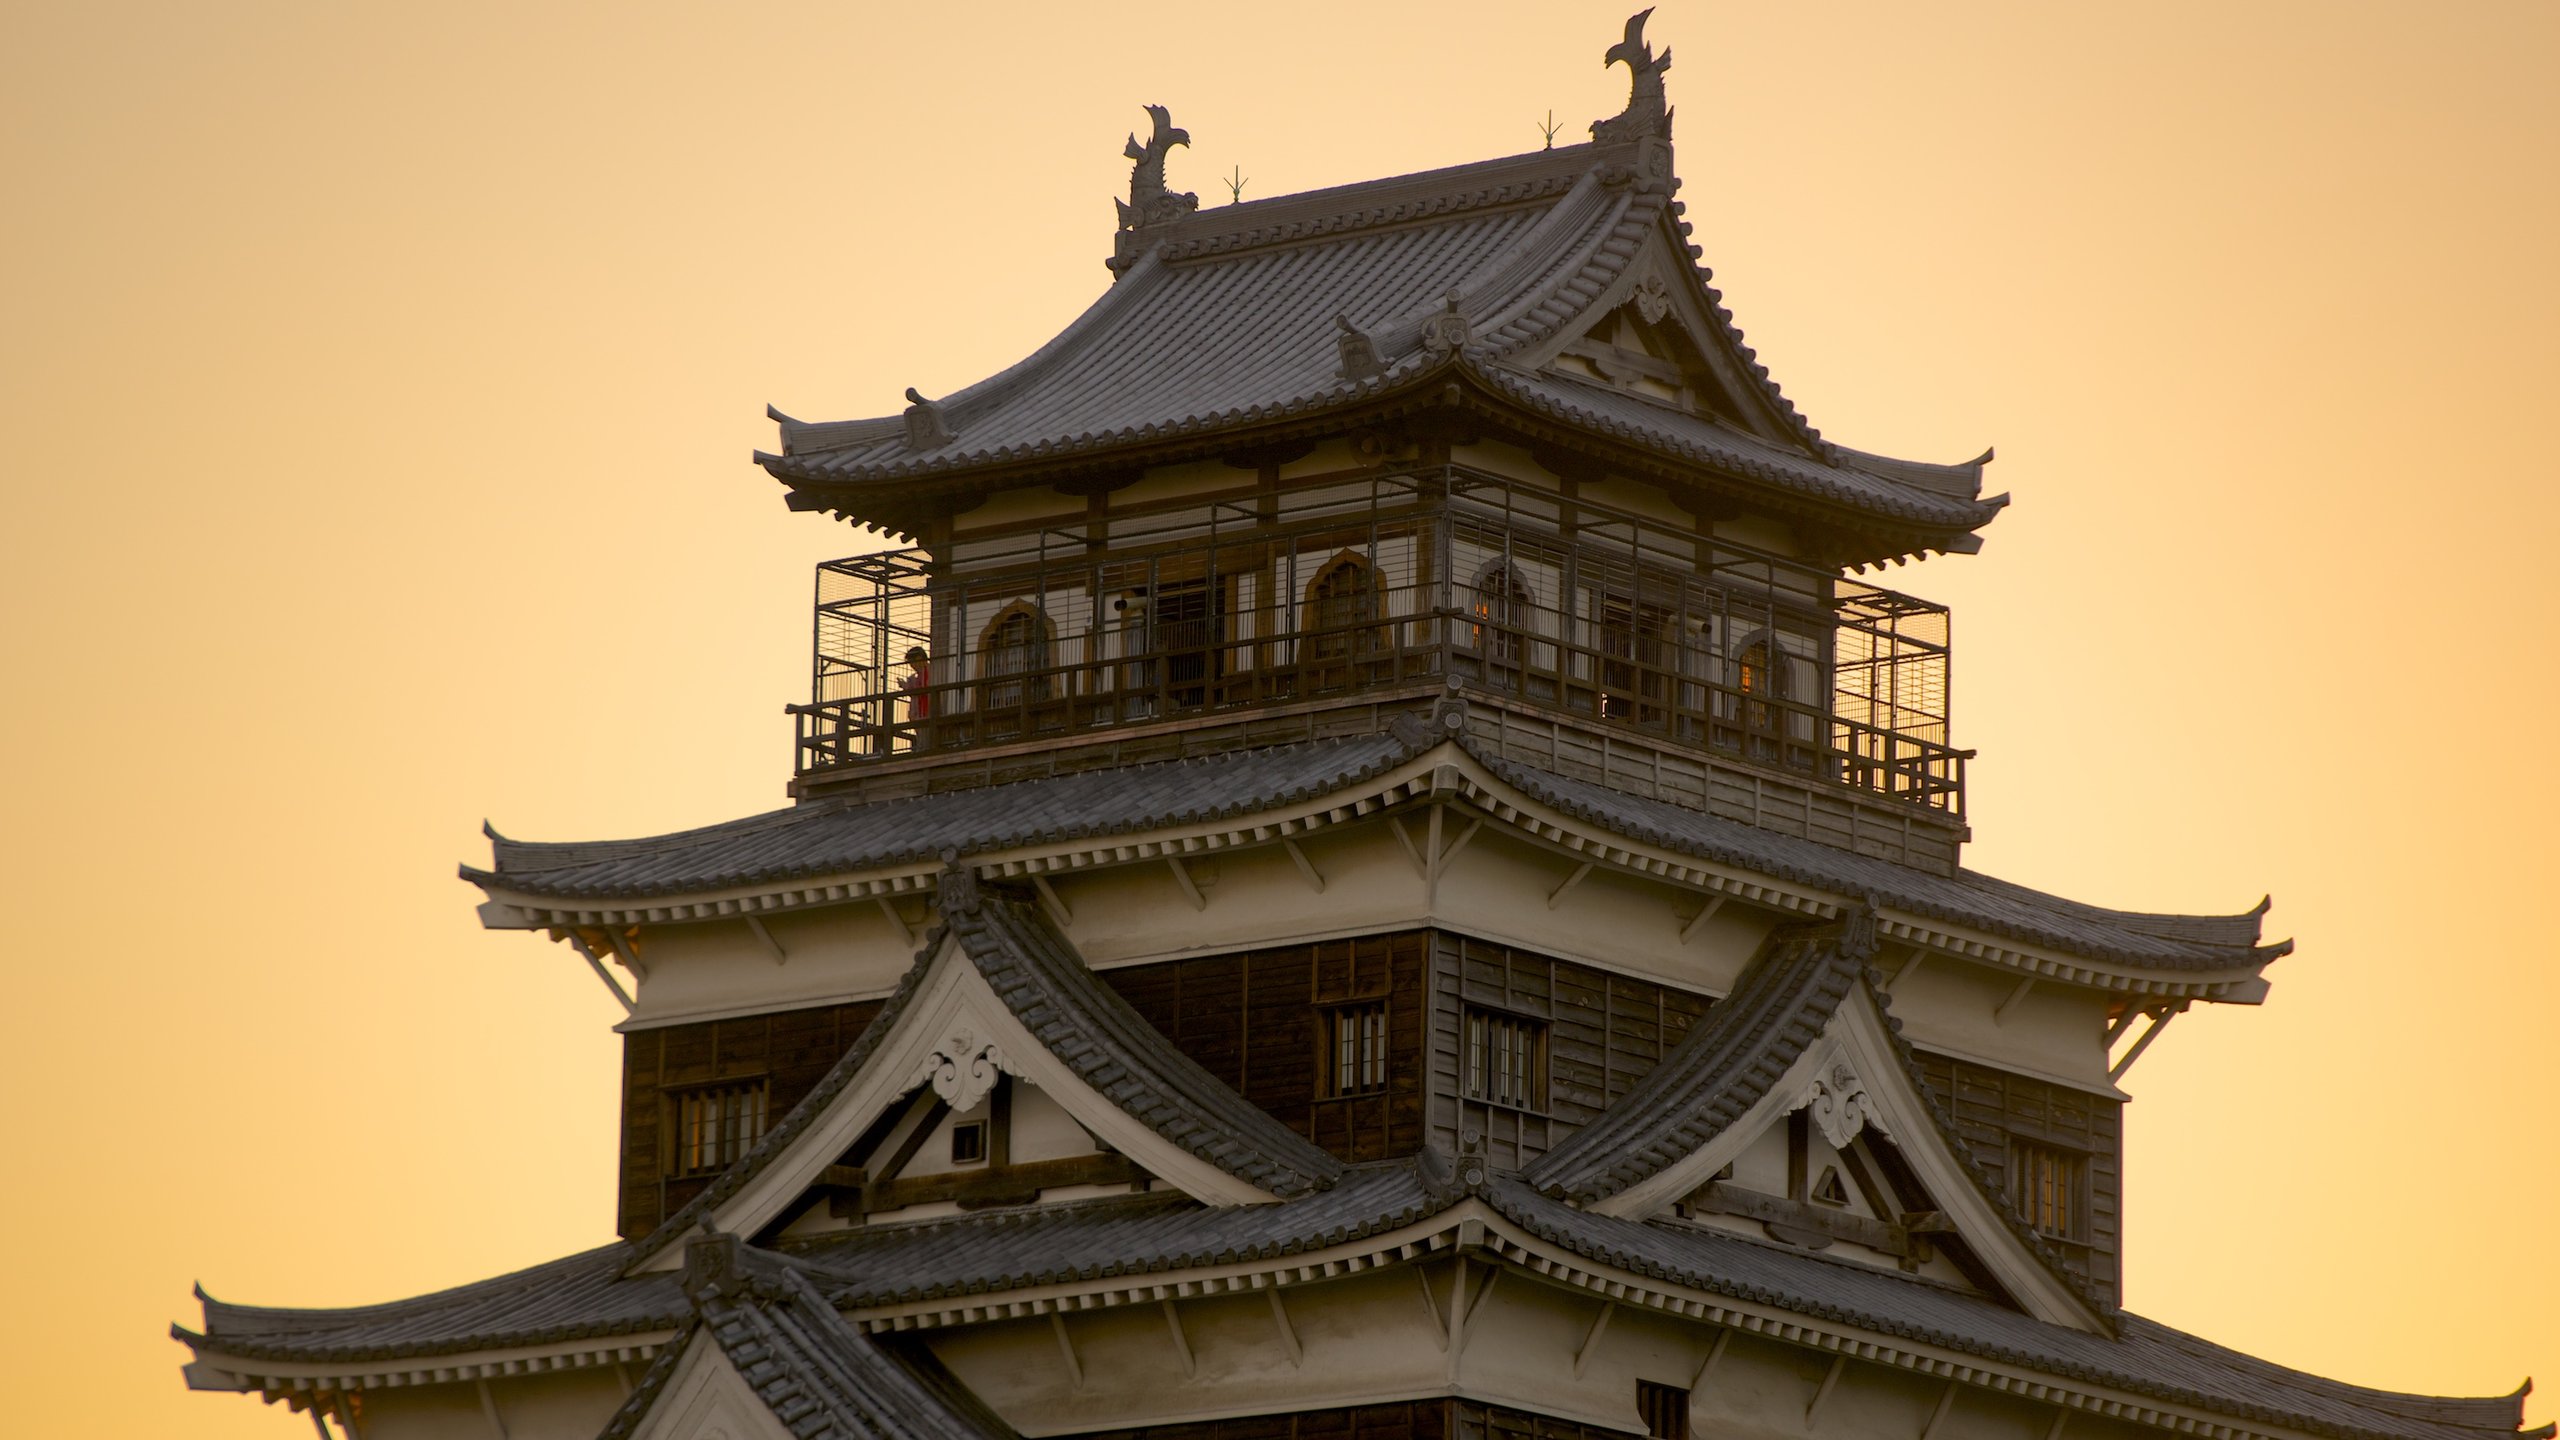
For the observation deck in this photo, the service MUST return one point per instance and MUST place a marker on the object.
(1628, 648)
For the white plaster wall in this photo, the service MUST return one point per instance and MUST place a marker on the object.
(707, 969)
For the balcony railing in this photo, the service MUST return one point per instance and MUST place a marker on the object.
(1616, 621)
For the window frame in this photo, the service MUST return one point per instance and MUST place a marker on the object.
(2026, 1187)
(1476, 1022)
(677, 1157)
(1334, 1063)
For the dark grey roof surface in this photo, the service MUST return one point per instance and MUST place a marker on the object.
(1086, 1024)
(1230, 319)
(579, 1296)
(822, 839)
(1718, 1071)
(820, 1376)
(1143, 1235)
(1112, 1048)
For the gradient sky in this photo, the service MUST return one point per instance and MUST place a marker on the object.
(376, 390)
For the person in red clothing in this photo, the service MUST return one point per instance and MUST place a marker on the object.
(919, 696)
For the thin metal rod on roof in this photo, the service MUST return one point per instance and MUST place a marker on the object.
(1549, 128)
(1235, 186)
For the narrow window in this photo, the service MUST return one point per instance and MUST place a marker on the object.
(1014, 656)
(717, 1125)
(969, 1143)
(1665, 1409)
(2050, 1185)
(1342, 611)
(1355, 1061)
(1501, 612)
(1506, 1059)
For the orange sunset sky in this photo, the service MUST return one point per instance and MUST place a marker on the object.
(379, 387)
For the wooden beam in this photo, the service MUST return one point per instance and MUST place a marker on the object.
(1067, 1350)
(1707, 1367)
(489, 1408)
(1556, 896)
(320, 1422)
(1830, 1379)
(622, 1375)
(1412, 852)
(1181, 1342)
(2141, 1043)
(1190, 887)
(2061, 1417)
(1908, 966)
(1714, 904)
(1461, 842)
(2000, 1012)
(771, 945)
(2120, 1024)
(1431, 1307)
(897, 922)
(1306, 867)
(1058, 910)
(624, 951)
(1591, 1341)
(1288, 1332)
(1937, 1417)
(596, 963)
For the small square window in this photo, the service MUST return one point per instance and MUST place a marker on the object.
(1355, 1049)
(1506, 1059)
(1665, 1409)
(717, 1125)
(969, 1143)
(2050, 1185)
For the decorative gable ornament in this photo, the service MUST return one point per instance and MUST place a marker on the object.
(927, 427)
(1840, 1107)
(962, 1069)
(1151, 202)
(1652, 297)
(1360, 358)
(1648, 113)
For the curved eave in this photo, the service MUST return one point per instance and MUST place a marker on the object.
(905, 500)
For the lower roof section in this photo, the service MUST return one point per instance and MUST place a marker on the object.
(803, 850)
(1140, 1248)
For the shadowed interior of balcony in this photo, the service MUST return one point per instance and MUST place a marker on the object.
(1391, 584)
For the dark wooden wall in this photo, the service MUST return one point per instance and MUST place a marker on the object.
(790, 1049)
(1992, 1107)
(1254, 1020)
(1411, 1420)
(1604, 1032)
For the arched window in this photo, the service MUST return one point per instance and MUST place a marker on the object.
(1343, 606)
(1501, 607)
(1013, 657)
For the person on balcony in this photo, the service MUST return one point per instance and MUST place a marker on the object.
(918, 684)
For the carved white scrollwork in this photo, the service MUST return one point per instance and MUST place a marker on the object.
(962, 1069)
(1838, 1100)
(1653, 298)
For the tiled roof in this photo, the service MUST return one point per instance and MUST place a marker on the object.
(1142, 1235)
(1086, 1024)
(1233, 316)
(1718, 1071)
(1129, 1062)
(821, 839)
(820, 1376)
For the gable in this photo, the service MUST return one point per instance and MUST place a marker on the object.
(707, 1399)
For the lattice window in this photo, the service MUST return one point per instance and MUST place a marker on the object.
(1015, 656)
(1506, 1059)
(2051, 1186)
(1665, 1409)
(1355, 1053)
(1342, 606)
(717, 1125)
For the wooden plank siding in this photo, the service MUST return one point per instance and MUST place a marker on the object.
(1442, 1419)
(1993, 1109)
(1255, 1020)
(791, 1050)
(1604, 1032)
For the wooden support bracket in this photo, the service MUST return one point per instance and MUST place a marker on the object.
(1714, 904)
(1412, 852)
(772, 946)
(1058, 910)
(1431, 1307)
(1306, 867)
(1181, 1341)
(1938, 1417)
(1067, 1350)
(1556, 896)
(1190, 887)
(1830, 1381)
(1288, 1332)
(1707, 1367)
(596, 963)
(2061, 1418)
(627, 953)
(2142, 1042)
(1904, 973)
(897, 922)
(2000, 1012)
(1591, 1342)
(489, 1408)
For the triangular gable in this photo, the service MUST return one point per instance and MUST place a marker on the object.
(999, 992)
(1804, 1033)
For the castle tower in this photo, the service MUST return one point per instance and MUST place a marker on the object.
(1377, 864)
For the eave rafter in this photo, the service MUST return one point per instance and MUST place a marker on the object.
(1446, 775)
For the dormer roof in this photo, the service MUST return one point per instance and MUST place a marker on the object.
(1295, 316)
